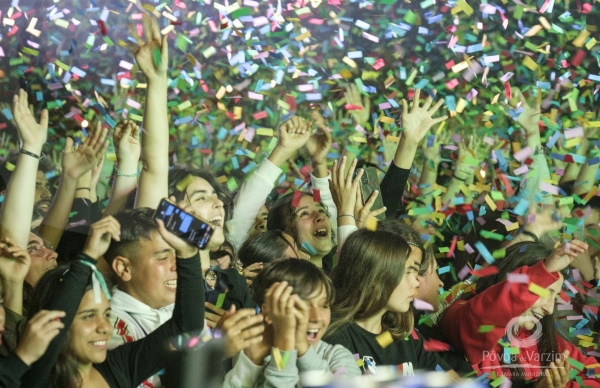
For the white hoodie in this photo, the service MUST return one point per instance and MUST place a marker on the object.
(133, 320)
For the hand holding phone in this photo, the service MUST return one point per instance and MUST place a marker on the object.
(193, 230)
(369, 183)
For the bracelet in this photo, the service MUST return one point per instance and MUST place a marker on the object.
(83, 188)
(119, 173)
(455, 177)
(25, 152)
(348, 215)
(532, 235)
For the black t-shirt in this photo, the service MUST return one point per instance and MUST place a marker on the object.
(408, 354)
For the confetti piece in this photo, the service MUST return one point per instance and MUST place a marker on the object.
(385, 339)
(539, 291)
(422, 305)
(184, 183)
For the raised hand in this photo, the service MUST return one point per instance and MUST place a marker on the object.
(126, 140)
(152, 56)
(419, 120)
(531, 114)
(301, 312)
(353, 97)
(14, 262)
(76, 162)
(242, 329)
(279, 308)
(293, 134)
(33, 134)
(95, 176)
(564, 255)
(319, 144)
(557, 375)
(362, 212)
(433, 152)
(344, 190)
(40, 330)
(101, 234)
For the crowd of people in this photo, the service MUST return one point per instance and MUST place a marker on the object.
(296, 279)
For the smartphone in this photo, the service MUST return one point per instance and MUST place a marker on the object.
(183, 224)
(369, 183)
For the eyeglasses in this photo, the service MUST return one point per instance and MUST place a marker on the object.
(36, 249)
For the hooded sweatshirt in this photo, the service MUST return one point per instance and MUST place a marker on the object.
(331, 359)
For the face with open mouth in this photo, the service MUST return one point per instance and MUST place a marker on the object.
(206, 204)
(319, 316)
(543, 306)
(152, 275)
(314, 226)
(43, 196)
(91, 330)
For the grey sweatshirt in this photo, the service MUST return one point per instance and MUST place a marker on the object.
(331, 359)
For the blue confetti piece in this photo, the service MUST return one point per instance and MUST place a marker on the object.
(235, 163)
(443, 270)
(7, 113)
(249, 167)
(483, 251)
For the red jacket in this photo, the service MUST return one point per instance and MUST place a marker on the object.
(495, 307)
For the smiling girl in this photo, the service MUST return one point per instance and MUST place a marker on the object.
(295, 297)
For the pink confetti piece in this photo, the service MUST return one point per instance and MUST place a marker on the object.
(524, 153)
(422, 305)
(517, 278)
(573, 133)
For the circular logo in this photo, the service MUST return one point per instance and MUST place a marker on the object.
(514, 327)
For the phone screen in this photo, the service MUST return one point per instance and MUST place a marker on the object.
(183, 224)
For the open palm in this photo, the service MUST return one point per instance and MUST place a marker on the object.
(77, 162)
(153, 55)
(419, 120)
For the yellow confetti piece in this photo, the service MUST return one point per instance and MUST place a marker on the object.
(221, 92)
(184, 183)
(387, 120)
(395, 139)
(592, 124)
(359, 139)
(465, 190)
(278, 359)
(371, 224)
(411, 77)
(10, 166)
(209, 52)
(349, 62)
(466, 8)
(581, 38)
(539, 291)
(530, 63)
(534, 30)
(222, 179)
(360, 362)
(264, 131)
(460, 67)
(62, 23)
(385, 339)
(460, 105)
(591, 43)
(490, 203)
(303, 36)
(184, 105)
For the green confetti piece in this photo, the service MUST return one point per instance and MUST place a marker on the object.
(156, 56)
(576, 364)
(285, 358)
(485, 328)
(491, 235)
(220, 300)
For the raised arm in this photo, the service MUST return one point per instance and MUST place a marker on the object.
(75, 164)
(17, 208)
(416, 124)
(429, 171)
(586, 180)
(127, 146)
(14, 265)
(154, 180)
(293, 135)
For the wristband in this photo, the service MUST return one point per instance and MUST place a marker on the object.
(83, 188)
(119, 173)
(460, 179)
(25, 152)
(348, 215)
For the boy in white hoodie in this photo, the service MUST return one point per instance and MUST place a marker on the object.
(295, 296)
